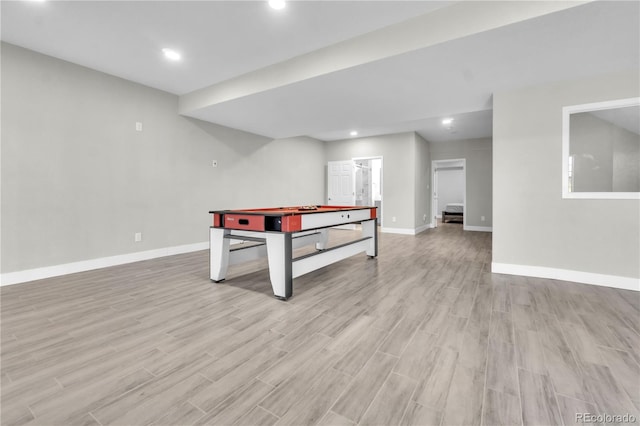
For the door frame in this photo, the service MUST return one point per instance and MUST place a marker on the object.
(377, 157)
(434, 189)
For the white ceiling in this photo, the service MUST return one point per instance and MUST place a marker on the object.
(410, 91)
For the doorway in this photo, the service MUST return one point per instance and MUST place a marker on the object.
(448, 188)
(356, 182)
(368, 183)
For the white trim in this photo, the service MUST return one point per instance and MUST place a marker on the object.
(403, 231)
(615, 281)
(478, 228)
(566, 114)
(88, 265)
(407, 231)
(602, 195)
(325, 219)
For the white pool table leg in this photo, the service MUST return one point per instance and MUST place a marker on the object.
(279, 254)
(370, 229)
(218, 253)
(323, 239)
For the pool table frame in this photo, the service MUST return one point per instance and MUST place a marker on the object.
(279, 231)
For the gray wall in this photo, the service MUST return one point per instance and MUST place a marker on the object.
(398, 172)
(422, 182)
(533, 225)
(478, 153)
(78, 181)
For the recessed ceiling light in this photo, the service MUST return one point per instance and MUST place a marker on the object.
(277, 4)
(447, 121)
(171, 54)
(354, 133)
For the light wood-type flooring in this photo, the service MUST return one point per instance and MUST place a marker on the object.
(423, 335)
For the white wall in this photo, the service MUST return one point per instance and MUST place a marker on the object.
(78, 181)
(535, 231)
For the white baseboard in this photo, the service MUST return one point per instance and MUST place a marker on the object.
(478, 228)
(625, 283)
(88, 265)
(407, 231)
(403, 231)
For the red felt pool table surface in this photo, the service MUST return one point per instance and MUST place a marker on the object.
(284, 211)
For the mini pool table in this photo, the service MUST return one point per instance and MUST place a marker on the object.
(280, 230)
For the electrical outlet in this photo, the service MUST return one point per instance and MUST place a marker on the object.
(393, 219)
(137, 237)
(424, 217)
(214, 163)
(138, 126)
(482, 218)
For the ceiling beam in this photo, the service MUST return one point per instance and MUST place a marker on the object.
(459, 20)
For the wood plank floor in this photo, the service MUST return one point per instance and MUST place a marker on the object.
(423, 335)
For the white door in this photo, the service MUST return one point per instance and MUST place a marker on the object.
(341, 183)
